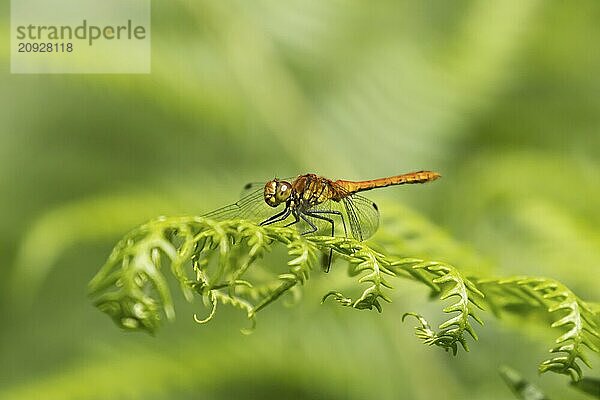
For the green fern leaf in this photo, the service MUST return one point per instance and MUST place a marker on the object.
(213, 259)
(575, 316)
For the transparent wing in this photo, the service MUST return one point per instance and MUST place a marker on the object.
(333, 210)
(354, 215)
(363, 215)
(250, 188)
(250, 207)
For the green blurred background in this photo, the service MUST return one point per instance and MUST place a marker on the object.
(502, 98)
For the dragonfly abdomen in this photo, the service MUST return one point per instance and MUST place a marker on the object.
(413, 177)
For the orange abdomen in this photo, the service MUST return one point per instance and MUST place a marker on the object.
(414, 177)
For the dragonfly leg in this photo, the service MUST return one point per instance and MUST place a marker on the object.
(332, 212)
(295, 221)
(317, 216)
(277, 217)
(313, 227)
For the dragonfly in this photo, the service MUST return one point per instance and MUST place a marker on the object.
(315, 203)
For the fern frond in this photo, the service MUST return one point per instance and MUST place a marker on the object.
(440, 277)
(361, 260)
(568, 312)
(214, 259)
(132, 290)
(450, 284)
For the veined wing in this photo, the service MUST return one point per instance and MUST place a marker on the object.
(360, 217)
(332, 210)
(363, 216)
(250, 207)
(251, 187)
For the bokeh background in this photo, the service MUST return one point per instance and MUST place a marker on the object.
(502, 98)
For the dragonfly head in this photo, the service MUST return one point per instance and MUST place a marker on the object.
(277, 192)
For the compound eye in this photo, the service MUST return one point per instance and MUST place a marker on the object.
(283, 191)
(270, 193)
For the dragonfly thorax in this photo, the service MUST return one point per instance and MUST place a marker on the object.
(277, 192)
